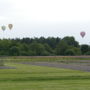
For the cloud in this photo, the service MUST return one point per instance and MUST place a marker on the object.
(52, 10)
(45, 10)
(6, 8)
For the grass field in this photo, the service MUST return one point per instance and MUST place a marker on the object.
(30, 77)
(43, 58)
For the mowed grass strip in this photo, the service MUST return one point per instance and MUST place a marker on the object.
(44, 58)
(30, 77)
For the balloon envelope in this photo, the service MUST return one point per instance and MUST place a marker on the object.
(10, 26)
(3, 27)
(82, 34)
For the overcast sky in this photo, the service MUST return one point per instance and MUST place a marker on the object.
(35, 18)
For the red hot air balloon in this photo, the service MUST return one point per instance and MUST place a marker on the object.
(82, 34)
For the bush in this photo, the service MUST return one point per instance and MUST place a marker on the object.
(87, 53)
(70, 52)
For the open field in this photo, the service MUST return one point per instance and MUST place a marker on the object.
(68, 62)
(30, 77)
(33, 77)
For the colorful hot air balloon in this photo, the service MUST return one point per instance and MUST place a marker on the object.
(10, 26)
(82, 34)
(3, 28)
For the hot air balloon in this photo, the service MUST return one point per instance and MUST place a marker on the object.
(10, 26)
(82, 34)
(3, 28)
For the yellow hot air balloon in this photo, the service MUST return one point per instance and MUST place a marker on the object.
(10, 26)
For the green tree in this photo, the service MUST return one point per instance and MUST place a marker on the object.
(14, 51)
(84, 48)
(37, 49)
(71, 41)
(70, 52)
(87, 53)
(52, 42)
(61, 48)
(49, 50)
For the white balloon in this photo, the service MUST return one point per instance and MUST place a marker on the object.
(3, 28)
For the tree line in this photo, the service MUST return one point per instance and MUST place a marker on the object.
(42, 46)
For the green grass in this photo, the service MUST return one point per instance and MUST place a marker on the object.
(30, 77)
(43, 58)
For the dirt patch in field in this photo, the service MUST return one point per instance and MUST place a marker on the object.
(83, 65)
(7, 67)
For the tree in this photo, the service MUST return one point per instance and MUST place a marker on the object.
(37, 49)
(14, 51)
(24, 49)
(61, 48)
(48, 49)
(73, 51)
(52, 42)
(84, 48)
(71, 41)
(87, 53)
(42, 46)
(70, 52)
(77, 51)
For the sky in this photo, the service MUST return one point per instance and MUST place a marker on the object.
(48, 18)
